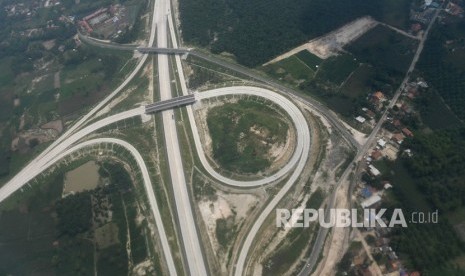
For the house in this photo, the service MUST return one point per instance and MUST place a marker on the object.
(373, 171)
(85, 25)
(392, 255)
(360, 119)
(370, 114)
(398, 138)
(407, 108)
(422, 84)
(376, 155)
(411, 96)
(371, 201)
(407, 132)
(378, 97)
(394, 265)
(454, 9)
(381, 143)
(397, 123)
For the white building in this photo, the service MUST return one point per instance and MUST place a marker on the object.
(360, 119)
(371, 201)
(381, 143)
(373, 171)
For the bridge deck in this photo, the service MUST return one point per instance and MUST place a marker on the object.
(173, 51)
(169, 104)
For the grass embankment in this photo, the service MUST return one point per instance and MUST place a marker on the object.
(243, 133)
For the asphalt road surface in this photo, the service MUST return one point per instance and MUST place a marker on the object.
(187, 226)
(299, 121)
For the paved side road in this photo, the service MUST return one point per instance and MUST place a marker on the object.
(319, 243)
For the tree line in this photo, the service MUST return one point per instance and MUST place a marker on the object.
(256, 31)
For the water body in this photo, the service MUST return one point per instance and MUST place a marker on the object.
(85, 177)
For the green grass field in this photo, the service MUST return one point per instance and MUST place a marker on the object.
(309, 59)
(82, 79)
(337, 69)
(236, 146)
(292, 69)
(357, 85)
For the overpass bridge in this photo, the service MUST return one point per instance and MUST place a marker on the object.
(169, 104)
(169, 51)
(132, 47)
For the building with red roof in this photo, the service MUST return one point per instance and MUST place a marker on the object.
(407, 132)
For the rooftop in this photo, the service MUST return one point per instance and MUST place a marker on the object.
(371, 201)
(360, 119)
(374, 171)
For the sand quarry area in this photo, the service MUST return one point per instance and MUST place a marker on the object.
(331, 43)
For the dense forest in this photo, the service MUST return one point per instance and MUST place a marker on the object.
(442, 64)
(432, 179)
(256, 31)
(439, 167)
(428, 246)
(74, 214)
(385, 49)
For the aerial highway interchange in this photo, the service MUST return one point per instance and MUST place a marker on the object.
(69, 142)
(163, 28)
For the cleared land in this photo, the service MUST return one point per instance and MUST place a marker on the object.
(231, 26)
(296, 68)
(332, 43)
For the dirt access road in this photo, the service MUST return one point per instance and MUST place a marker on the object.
(331, 43)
